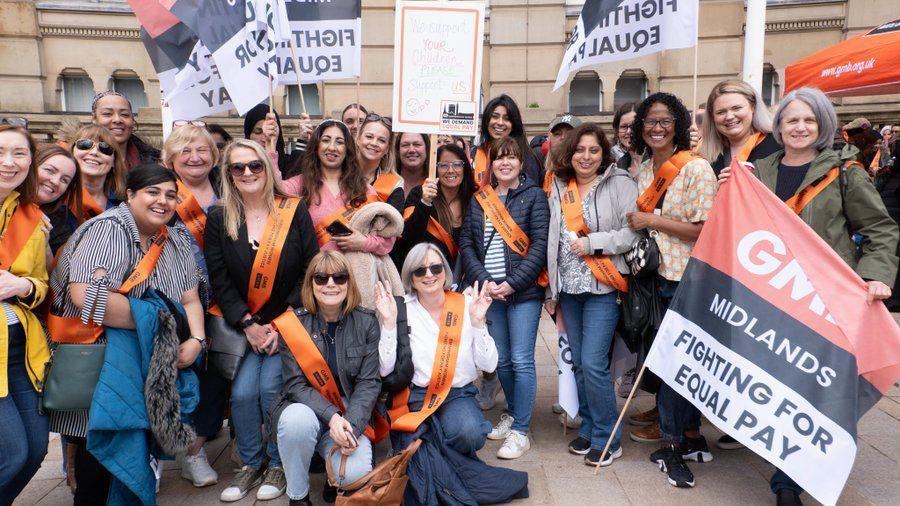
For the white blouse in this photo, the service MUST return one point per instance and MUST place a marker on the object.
(476, 351)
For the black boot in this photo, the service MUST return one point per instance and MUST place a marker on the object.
(301, 502)
(787, 497)
(329, 493)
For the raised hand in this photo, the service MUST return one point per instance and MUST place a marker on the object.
(429, 191)
(385, 306)
(481, 301)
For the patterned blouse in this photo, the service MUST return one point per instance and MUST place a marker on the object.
(689, 198)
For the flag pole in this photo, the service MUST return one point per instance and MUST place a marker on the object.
(297, 72)
(358, 110)
(271, 144)
(694, 97)
(634, 387)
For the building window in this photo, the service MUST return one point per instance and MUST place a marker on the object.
(76, 93)
(630, 87)
(310, 95)
(771, 90)
(130, 86)
(585, 94)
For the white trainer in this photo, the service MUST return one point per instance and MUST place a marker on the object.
(501, 430)
(197, 470)
(514, 446)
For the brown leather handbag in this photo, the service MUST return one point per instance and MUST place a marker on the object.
(382, 486)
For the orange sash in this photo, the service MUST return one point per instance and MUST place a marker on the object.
(89, 206)
(480, 166)
(601, 266)
(25, 219)
(265, 264)
(313, 364)
(548, 182)
(512, 235)
(876, 162)
(72, 330)
(436, 230)
(751, 143)
(664, 177)
(343, 215)
(799, 201)
(385, 184)
(191, 213)
(442, 371)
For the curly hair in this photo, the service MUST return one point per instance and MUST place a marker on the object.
(563, 159)
(682, 125)
(352, 183)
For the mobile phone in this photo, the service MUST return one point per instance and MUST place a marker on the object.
(338, 229)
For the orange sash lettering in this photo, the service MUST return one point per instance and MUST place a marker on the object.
(512, 235)
(436, 230)
(265, 264)
(664, 177)
(385, 184)
(442, 371)
(751, 143)
(89, 206)
(480, 166)
(313, 364)
(343, 215)
(25, 219)
(191, 213)
(601, 266)
(799, 201)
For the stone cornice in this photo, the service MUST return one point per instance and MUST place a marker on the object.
(803, 25)
(90, 32)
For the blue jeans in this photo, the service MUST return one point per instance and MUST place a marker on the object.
(253, 394)
(590, 322)
(300, 433)
(463, 424)
(24, 434)
(514, 329)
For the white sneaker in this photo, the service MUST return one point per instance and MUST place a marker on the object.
(273, 485)
(487, 393)
(197, 470)
(514, 446)
(244, 481)
(501, 430)
(572, 423)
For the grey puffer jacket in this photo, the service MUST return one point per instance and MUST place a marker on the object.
(616, 195)
(357, 358)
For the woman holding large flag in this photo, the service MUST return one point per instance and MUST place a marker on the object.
(834, 196)
(330, 336)
(587, 236)
(677, 188)
(102, 167)
(257, 244)
(504, 243)
(374, 149)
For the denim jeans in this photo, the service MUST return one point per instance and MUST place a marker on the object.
(514, 329)
(465, 429)
(24, 434)
(590, 322)
(253, 394)
(300, 433)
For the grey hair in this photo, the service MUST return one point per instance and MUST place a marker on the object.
(414, 260)
(822, 109)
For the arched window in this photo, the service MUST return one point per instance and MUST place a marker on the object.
(76, 90)
(129, 84)
(771, 90)
(585, 93)
(310, 96)
(630, 87)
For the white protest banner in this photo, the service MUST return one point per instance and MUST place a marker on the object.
(328, 36)
(437, 67)
(567, 388)
(612, 30)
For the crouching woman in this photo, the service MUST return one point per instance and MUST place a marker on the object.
(331, 337)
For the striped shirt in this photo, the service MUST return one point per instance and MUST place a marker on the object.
(111, 242)
(494, 249)
(11, 317)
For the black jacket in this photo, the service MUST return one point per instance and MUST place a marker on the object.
(357, 359)
(415, 229)
(528, 207)
(230, 262)
(145, 152)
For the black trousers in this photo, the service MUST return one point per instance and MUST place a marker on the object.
(91, 478)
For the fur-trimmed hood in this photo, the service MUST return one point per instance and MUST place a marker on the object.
(378, 218)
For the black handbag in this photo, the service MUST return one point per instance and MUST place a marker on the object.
(227, 346)
(71, 376)
(643, 258)
(641, 313)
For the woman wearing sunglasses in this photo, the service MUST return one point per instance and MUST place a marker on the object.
(329, 333)
(102, 170)
(256, 233)
(374, 144)
(331, 183)
(58, 192)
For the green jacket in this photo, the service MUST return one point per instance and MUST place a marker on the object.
(862, 207)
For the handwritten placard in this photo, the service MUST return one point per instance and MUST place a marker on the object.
(437, 67)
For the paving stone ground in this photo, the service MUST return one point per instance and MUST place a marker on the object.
(558, 478)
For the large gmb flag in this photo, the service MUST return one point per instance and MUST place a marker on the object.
(612, 30)
(771, 337)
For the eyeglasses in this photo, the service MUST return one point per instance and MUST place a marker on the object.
(87, 145)
(456, 164)
(182, 122)
(19, 122)
(424, 270)
(373, 117)
(237, 169)
(666, 123)
(339, 278)
(625, 128)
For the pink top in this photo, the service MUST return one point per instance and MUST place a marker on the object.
(328, 204)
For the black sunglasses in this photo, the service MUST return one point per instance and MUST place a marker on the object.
(237, 169)
(87, 145)
(340, 278)
(373, 118)
(433, 269)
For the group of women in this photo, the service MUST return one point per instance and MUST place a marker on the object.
(258, 252)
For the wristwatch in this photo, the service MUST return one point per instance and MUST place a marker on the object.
(249, 321)
(201, 340)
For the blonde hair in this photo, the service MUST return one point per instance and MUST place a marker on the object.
(386, 164)
(714, 143)
(329, 261)
(115, 178)
(231, 200)
(181, 137)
